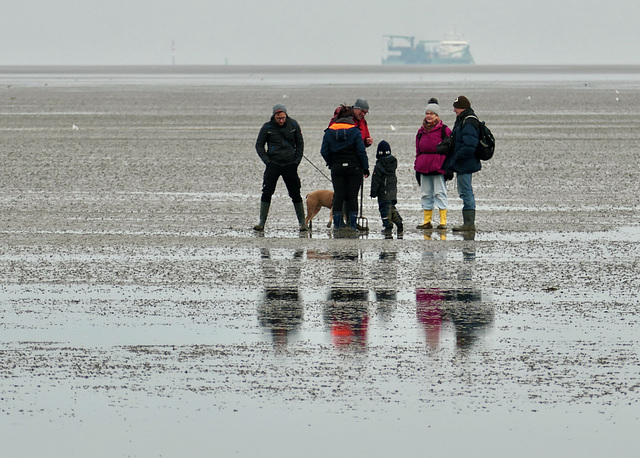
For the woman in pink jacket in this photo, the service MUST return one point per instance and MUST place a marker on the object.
(428, 165)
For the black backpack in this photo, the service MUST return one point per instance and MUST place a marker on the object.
(487, 144)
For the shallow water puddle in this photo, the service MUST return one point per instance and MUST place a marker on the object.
(346, 298)
(346, 317)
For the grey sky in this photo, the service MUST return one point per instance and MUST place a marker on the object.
(243, 32)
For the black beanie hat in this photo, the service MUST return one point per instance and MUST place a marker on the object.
(383, 149)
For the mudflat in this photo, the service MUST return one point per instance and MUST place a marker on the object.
(141, 315)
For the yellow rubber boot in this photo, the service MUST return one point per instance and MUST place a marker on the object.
(443, 219)
(426, 224)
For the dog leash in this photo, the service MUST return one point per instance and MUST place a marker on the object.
(321, 172)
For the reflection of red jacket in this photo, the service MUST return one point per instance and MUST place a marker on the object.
(360, 124)
(346, 333)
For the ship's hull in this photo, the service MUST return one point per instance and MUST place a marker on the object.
(427, 61)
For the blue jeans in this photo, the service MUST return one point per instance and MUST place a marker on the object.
(465, 191)
(434, 191)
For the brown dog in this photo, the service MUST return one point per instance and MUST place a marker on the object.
(315, 201)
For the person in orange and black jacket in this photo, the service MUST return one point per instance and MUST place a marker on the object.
(285, 147)
(344, 153)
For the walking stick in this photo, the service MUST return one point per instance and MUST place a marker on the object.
(362, 223)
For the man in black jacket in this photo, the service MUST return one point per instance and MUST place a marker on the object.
(284, 148)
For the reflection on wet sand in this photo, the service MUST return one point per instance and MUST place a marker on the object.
(462, 306)
(281, 310)
(429, 302)
(384, 274)
(351, 281)
(470, 316)
(346, 311)
(440, 234)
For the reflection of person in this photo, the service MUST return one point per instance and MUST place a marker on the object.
(283, 154)
(344, 153)
(281, 311)
(470, 316)
(360, 110)
(348, 317)
(429, 310)
(463, 159)
(347, 309)
(384, 187)
(428, 165)
(385, 280)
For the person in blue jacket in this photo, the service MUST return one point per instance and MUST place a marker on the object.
(344, 153)
(463, 160)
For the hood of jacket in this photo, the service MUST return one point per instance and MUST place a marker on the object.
(340, 129)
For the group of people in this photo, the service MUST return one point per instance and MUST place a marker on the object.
(440, 152)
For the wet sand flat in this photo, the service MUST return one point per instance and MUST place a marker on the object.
(142, 316)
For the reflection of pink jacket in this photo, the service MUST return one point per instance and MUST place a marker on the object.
(429, 312)
(429, 303)
(427, 160)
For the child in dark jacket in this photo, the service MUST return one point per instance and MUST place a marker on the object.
(384, 187)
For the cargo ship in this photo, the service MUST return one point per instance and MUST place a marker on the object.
(405, 50)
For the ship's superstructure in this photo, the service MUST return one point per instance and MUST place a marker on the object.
(404, 50)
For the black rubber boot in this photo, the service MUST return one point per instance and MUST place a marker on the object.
(264, 212)
(300, 214)
(468, 222)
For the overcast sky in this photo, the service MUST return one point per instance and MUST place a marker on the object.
(244, 32)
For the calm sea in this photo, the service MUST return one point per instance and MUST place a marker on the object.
(309, 75)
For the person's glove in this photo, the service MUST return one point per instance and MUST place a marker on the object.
(448, 175)
(418, 178)
(366, 173)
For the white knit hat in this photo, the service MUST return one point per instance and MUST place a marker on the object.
(433, 106)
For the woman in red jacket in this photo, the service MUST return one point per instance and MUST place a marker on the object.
(428, 165)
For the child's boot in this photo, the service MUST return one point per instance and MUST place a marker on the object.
(387, 227)
(397, 220)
